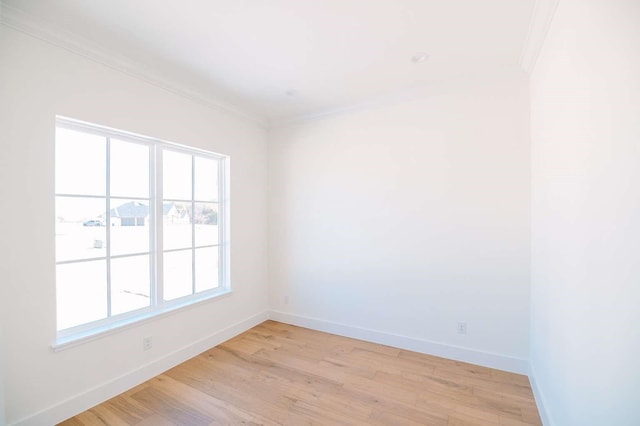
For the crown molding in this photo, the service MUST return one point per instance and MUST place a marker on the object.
(18, 20)
(512, 73)
(541, 18)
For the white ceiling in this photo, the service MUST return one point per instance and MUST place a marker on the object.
(247, 54)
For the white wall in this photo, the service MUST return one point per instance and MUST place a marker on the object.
(407, 218)
(2, 416)
(38, 81)
(585, 339)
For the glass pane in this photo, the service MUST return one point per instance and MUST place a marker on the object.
(80, 230)
(176, 218)
(207, 268)
(129, 169)
(176, 175)
(130, 284)
(81, 292)
(129, 226)
(206, 224)
(177, 274)
(206, 182)
(81, 162)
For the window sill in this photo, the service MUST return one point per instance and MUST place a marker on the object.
(80, 338)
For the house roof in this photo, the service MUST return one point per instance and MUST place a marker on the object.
(166, 208)
(138, 209)
(131, 209)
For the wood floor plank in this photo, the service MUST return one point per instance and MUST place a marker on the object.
(104, 415)
(507, 421)
(80, 420)
(467, 420)
(484, 382)
(279, 374)
(156, 420)
(128, 409)
(206, 404)
(175, 410)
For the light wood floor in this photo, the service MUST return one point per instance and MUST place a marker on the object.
(280, 374)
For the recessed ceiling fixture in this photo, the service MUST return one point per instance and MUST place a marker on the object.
(419, 57)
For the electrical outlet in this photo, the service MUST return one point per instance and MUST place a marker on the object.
(147, 343)
(286, 300)
(462, 328)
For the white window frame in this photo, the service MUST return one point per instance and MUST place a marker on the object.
(92, 330)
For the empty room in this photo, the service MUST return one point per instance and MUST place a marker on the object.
(292, 212)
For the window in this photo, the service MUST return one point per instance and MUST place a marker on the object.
(140, 228)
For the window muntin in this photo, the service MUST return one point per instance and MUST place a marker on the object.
(138, 227)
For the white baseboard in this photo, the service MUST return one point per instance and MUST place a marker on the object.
(94, 396)
(486, 359)
(540, 399)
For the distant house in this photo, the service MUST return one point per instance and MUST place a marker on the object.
(174, 213)
(135, 213)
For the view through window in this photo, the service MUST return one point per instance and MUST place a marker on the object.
(139, 226)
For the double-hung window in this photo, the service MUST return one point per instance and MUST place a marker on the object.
(141, 227)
